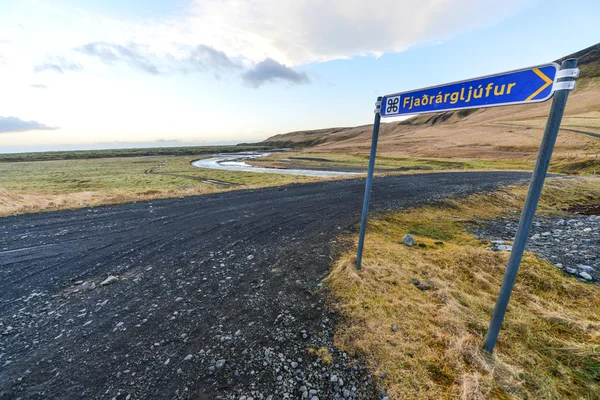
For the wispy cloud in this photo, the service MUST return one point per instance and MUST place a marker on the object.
(270, 70)
(130, 54)
(14, 124)
(203, 58)
(182, 59)
(39, 86)
(58, 64)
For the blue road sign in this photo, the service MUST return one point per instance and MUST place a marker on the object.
(529, 85)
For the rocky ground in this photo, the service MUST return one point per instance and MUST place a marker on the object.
(571, 243)
(207, 297)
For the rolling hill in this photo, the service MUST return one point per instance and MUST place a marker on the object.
(501, 133)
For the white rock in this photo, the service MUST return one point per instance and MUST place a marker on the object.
(585, 267)
(504, 247)
(585, 275)
(188, 357)
(109, 280)
(409, 240)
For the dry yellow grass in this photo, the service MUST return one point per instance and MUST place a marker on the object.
(15, 202)
(502, 133)
(549, 347)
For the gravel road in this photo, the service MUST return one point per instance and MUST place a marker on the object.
(214, 296)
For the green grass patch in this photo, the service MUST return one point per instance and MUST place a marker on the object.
(30, 186)
(430, 231)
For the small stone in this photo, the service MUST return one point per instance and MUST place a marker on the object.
(220, 363)
(188, 357)
(585, 267)
(504, 247)
(250, 257)
(109, 280)
(178, 299)
(571, 270)
(585, 276)
(409, 240)
(294, 364)
(394, 328)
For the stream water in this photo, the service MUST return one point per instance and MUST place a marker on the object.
(235, 162)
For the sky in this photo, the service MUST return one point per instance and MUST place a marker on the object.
(110, 73)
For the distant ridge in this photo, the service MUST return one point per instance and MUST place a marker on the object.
(494, 133)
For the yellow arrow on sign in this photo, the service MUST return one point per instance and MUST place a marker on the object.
(547, 83)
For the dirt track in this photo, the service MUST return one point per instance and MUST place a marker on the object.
(231, 277)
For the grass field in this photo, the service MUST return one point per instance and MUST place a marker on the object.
(31, 186)
(61, 184)
(550, 342)
(306, 159)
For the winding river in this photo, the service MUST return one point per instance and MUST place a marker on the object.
(235, 162)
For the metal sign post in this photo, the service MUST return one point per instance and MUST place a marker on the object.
(365, 211)
(562, 87)
(529, 85)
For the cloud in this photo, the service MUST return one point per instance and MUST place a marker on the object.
(110, 53)
(58, 64)
(39, 86)
(270, 70)
(14, 124)
(202, 58)
(3, 61)
(297, 32)
(167, 141)
(182, 59)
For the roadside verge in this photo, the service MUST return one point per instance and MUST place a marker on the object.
(418, 314)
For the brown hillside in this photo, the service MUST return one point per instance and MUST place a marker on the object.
(505, 133)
